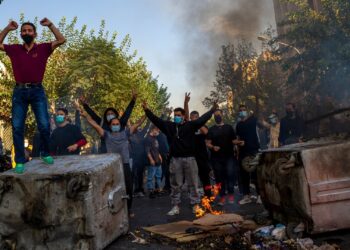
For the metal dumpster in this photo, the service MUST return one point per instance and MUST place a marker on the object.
(77, 203)
(308, 184)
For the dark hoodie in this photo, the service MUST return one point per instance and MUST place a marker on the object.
(105, 124)
(181, 137)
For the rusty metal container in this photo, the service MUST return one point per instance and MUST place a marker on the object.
(308, 184)
(77, 203)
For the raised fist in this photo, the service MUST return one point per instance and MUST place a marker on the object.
(45, 22)
(12, 25)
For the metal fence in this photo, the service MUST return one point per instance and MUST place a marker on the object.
(6, 135)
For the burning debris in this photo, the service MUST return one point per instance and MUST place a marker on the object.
(206, 202)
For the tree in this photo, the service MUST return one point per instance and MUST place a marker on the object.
(243, 77)
(323, 39)
(93, 64)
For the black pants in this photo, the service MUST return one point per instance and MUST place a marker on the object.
(165, 172)
(138, 167)
(246, 178)
(225, 171)
(128, 183)
(203, 173)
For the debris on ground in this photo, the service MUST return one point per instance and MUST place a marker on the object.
(138, 239)
(230, 231)
(221, 219)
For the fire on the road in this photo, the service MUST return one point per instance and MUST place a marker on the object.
(206, 202)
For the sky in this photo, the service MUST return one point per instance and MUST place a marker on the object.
(156, 27)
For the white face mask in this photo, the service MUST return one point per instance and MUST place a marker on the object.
(110, 117)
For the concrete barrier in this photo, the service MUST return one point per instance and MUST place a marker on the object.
(77, 203)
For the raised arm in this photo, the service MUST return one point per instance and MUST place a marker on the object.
(89, 110)
(58, 35)
(97, 127)
(159, 123)
(134, 127)
(11, 26)
(186, 107)
(126, 115)
(145, 128)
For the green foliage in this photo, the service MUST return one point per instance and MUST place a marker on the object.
(93, 64)
(243, 77)
(324, 41)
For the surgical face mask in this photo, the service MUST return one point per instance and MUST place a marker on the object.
(177, 119)
(243, 114)
(28, 39)
(59, 119)
(110, 117)
(218, 119)
(115, 128)
(273, 120)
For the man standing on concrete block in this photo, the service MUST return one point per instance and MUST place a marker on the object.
(28, 64)
(180, 134)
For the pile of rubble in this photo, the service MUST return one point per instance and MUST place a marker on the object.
(225, 231)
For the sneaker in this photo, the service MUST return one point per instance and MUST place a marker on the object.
(246, 199)
(139, 194)
(259, 201)
(174, 211)
(19, 169)
(231, 199)
(222, 201)
(48, 159)
(253, 197)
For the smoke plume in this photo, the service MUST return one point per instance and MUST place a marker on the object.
(206, 25)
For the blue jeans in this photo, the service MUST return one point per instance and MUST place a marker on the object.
(154, 171)
(21, 99)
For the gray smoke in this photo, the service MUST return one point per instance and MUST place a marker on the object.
(206, 25)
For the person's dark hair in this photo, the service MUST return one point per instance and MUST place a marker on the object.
(29, 23)
(183, 112)
(110, 122)
(64, 110)
(105, 114)
(153, 127)
(242, 106)
(194, 112)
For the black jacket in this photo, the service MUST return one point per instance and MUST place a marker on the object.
(181, 137)
(291, 130)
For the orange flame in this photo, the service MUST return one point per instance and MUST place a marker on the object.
(206, 202)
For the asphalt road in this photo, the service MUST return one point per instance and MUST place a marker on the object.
(150, 212)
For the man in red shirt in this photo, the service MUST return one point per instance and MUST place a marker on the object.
(28, 63)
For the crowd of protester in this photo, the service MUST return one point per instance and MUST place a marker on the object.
(168, 157)
(178, 153)
(198, 156)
